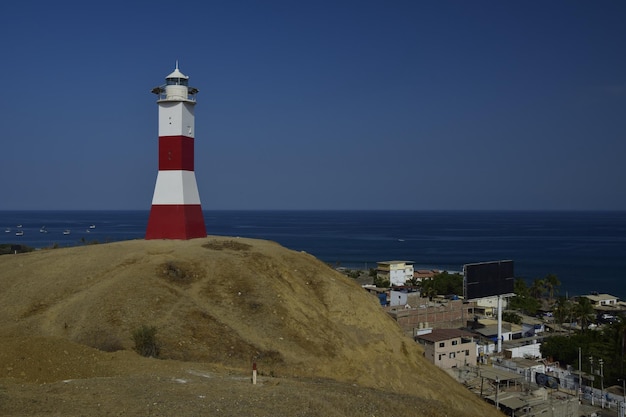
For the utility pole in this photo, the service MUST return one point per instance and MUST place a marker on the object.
(497, 391)
(482, 381)
(623, 407)
(592, 377)
(601, 362)
(580, 377)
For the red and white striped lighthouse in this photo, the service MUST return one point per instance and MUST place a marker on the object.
(176, 211)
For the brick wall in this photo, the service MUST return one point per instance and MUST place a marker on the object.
(448, 314)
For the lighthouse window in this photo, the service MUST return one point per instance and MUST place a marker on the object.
(176, 81)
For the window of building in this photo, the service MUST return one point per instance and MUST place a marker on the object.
(440, 356)
(455, 342)
(467, 352)
(452, 355)
(442, 344)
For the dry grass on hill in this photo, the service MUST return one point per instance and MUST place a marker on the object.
(323, 346)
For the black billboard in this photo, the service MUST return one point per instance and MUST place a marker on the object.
(487, 279)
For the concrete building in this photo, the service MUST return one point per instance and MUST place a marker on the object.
(399, 298)
(598, 300)
(449, 348)
(488, 306)
(396, 272)
(488, 329)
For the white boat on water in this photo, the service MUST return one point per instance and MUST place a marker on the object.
(7, 230)
(19, 233)
(43, 229)
(93, 226)
(66, 232)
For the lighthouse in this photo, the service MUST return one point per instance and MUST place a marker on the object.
(176, 212)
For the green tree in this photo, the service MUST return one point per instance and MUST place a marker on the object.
(584, 312)
(538, 288)
(512, 317)
(551, 284)
(522, 300)
(427, 288)
(560, 348)
(618, 330)
(603, 344)
(520, 288)
(8, 248)
(381, 283)
(563, 310)
(446, 283)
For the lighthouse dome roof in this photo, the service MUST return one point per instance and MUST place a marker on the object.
(177, 74)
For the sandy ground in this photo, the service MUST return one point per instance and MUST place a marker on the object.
(323, 346)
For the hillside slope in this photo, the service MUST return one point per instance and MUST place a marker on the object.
(218, 304)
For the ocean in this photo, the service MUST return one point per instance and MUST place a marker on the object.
(586, 250)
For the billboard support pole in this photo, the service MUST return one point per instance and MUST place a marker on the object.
(499, 324)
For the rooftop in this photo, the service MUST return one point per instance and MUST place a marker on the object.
(600, 297)
(437, 335)
(395, 262)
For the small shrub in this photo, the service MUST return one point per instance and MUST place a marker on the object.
(178, 273)
(145, 341)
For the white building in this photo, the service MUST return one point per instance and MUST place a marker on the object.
(396, 272)
(490, 305)
(398, 298)
(602, 300)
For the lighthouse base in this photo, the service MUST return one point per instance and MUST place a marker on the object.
(175, 221)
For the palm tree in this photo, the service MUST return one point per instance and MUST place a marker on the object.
(519, 288)
(562, 310)
(551, 283)
(538, 288)
(584, 312)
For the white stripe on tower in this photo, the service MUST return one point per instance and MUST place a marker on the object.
(176, 187)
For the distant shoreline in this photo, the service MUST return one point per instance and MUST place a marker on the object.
(585, 249)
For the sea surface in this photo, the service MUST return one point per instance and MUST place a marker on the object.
(586, 250)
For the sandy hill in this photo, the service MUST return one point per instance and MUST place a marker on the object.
(322, 345)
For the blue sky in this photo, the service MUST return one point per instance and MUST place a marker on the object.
(319, 104)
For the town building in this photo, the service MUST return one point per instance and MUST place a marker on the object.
(420, 275)
(605, 300)
(488, 328)
(448, 348)
(396, 272)
(607, 307)
(488, 306)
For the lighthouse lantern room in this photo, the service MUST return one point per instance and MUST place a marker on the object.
(176, 212)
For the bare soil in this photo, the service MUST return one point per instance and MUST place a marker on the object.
(322, 345)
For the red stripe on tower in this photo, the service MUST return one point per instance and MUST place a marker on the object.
(176, 211)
